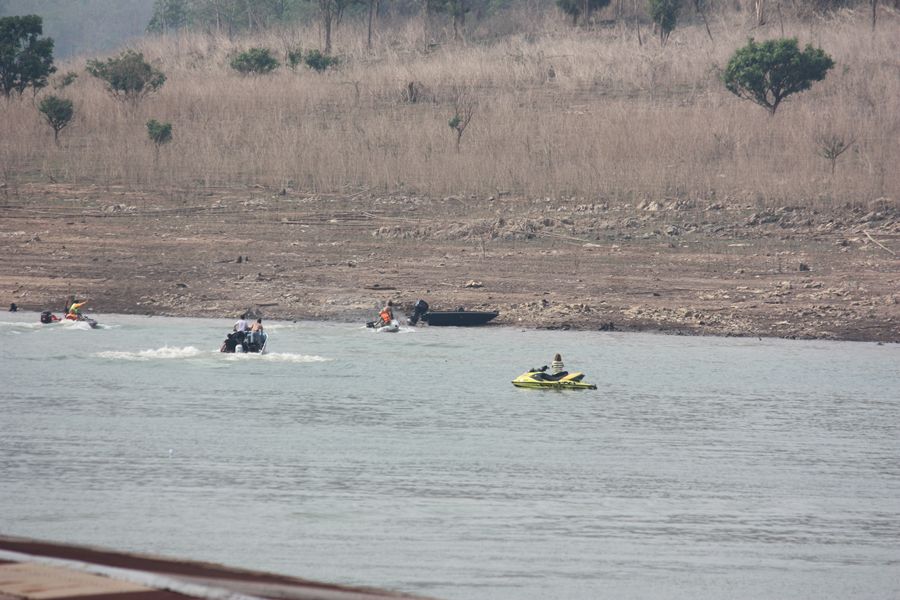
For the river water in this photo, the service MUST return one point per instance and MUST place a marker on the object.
(700, 468)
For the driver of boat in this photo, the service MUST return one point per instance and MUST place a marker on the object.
(241, 324)
(387, 313)
(557, 368)
(75, 310)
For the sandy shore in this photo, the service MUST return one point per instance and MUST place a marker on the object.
(730, 267)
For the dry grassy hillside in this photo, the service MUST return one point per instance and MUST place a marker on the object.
(618, 120)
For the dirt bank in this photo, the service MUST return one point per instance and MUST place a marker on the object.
(711, 267)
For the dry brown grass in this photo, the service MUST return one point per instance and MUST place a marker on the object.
(618, 120)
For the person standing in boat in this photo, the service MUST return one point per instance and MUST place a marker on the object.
(256, 332)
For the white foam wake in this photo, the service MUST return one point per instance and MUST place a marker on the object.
(288, 357)
(166, 352)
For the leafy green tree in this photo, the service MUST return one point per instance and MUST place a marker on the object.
(665, 14)
(768, 72)
(128, 76)
(26, 59)
(255, 61)
(58, 112)
(580, 8)
(159, 133)
(168, 15)
(320, 62)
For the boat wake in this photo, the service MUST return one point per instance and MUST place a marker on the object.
(166, 352)
(288, 357)
(20, 327)
(170, 353)
(63, 325)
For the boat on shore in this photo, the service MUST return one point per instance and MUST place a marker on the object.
(458, 318)
(450, 318)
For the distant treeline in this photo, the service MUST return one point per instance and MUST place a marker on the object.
(89, 26)
(234, 16)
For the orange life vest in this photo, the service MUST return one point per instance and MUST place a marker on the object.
(387, 315)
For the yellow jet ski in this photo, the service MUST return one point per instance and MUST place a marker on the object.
(538, 378)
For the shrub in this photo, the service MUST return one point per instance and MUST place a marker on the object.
(769, 72)
(255, 61)
(128, 76)
(294, 57)
(320, 62)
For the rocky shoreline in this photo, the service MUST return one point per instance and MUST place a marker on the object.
(728, 267)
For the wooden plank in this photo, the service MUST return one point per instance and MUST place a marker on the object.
(43, 582)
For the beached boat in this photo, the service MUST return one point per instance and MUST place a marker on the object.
(458, 318)
(451, 318)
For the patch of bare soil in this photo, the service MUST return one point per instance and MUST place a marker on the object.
(727, 267)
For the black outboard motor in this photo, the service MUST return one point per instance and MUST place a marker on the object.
(46, 317)
(231, 342)
(419, 309)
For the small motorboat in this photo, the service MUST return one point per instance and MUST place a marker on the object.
(449, 318)
(245, 341)
(379, 327)
(47, 318)
(540, 379)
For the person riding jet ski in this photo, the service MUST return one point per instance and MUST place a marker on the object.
(74, 311)
(558, 378)
(386, 315)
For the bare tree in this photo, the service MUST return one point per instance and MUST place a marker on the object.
(760, 6)
(698, 6)
(373, 10)
(830, 146)
(874, 13)
(463, 110)
(331, 12)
